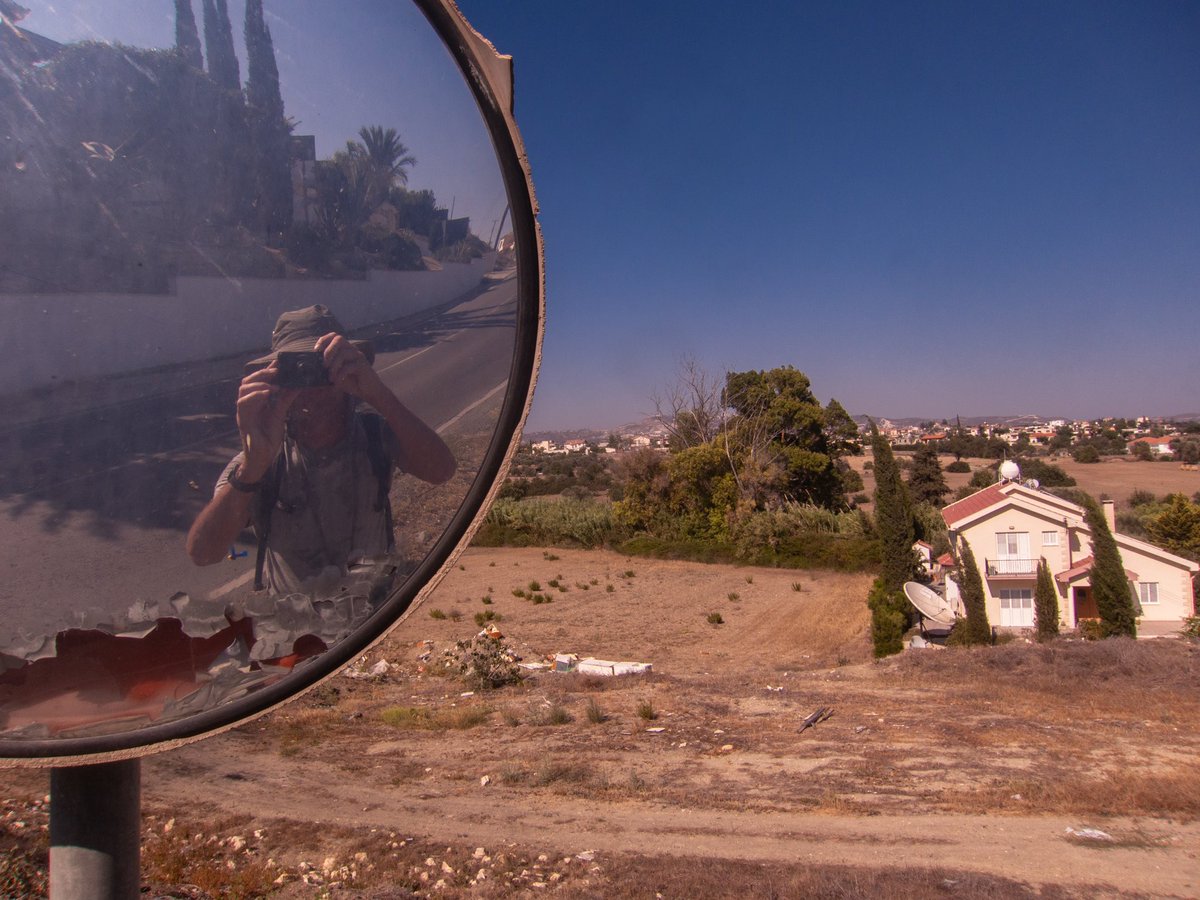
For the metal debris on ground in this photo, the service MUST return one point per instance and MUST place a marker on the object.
(822, 713)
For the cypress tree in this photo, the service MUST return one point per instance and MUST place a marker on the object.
(269, 128)
(1045, 603)
(970, 586)
(893, 516)
(1110, 587)
(890, 609)
(187, 38)
(218, 46)
(926, 484)
(262, 74)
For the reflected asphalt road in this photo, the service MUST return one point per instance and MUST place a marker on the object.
(94, 504)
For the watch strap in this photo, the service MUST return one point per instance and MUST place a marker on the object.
(246, 487)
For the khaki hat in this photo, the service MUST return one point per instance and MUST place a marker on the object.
(299, 329)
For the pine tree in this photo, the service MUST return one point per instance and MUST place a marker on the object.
(269, 128)
(970, 586)
(926, 484)
(187, 38)
(1045, 603)
(218, 45)
(1110, 586)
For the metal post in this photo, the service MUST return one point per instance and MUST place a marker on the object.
(95, 831)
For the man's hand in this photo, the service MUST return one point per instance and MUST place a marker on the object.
(348, 368)
(262, 409)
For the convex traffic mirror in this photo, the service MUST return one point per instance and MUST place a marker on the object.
(270, 284)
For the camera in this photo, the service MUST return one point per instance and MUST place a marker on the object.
(302, 369)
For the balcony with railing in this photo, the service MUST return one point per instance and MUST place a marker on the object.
(1011, 567)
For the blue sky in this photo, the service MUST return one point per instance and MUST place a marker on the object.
(929, 208)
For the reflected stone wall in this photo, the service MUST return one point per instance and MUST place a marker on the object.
(73, 336)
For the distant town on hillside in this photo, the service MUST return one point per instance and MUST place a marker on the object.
(1150, 437)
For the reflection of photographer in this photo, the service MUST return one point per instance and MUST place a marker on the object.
(313, 474)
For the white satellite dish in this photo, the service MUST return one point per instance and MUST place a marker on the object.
(1032, 483)
(930, 604)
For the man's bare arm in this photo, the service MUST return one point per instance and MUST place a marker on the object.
(423, 453)
(218, 525)
(262, 409)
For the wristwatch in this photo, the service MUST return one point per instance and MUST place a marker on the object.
(237, 484)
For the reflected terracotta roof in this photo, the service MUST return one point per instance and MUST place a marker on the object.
(968, 506)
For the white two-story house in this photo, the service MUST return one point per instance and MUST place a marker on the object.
(1010, 527)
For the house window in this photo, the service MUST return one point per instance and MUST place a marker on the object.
(1016, 608)
(1049, 538)
(1148, 592)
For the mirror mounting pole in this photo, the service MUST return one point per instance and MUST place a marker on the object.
(95, 831)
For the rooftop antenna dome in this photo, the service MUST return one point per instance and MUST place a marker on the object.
(1009, 471)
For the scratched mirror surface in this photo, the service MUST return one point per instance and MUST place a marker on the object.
(259, 294)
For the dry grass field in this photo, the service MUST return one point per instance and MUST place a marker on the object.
(942, 772)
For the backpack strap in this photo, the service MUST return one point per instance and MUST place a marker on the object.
(381, 465)
(264, 504)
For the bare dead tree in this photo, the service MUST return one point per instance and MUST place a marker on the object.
(691, 407)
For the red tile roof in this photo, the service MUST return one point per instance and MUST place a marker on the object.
(1082, 568)
(968, 506)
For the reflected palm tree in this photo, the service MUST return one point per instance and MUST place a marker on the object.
(387, 154)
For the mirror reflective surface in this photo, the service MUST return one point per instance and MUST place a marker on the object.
(187, 189)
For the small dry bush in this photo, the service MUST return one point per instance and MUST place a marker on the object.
(549, 714)
(595, 714)
(457, 718)
(549, 772)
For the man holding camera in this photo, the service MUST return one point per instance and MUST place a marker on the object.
(313, 473)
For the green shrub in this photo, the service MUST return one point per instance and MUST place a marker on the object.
(959, 466)
(714, 618)
(889, 619)
(539, 521)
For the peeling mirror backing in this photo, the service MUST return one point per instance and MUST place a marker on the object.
(271, 292)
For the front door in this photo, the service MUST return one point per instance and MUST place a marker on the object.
(1085, 604)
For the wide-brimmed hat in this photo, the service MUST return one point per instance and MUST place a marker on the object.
(299, 329)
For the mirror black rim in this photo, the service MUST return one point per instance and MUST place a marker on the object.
(464, 47)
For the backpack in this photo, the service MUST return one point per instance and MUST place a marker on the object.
(268, 494)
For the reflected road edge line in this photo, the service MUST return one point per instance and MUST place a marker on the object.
(441, 429)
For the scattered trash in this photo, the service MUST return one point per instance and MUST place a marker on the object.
(485, 780)
(859, 729)
(1090, 834)
(586, 855)
(822, 713)
(569, 662)
(727, 748)
(656, 730)
(378, 670)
